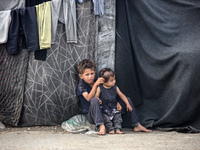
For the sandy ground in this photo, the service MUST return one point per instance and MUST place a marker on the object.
(55, 138)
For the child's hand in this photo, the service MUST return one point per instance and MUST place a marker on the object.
(100, 101)
(99, 81)
(129, 108)
(119, 107)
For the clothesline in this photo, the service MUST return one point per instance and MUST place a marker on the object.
(39, 23)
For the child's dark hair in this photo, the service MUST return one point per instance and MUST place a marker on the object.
(86, 64)
(106, 73)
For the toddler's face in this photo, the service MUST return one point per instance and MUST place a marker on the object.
(111, 82)
(88, 76)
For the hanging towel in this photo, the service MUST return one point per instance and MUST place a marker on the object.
(98, 7)
(44, 24)
(4, 25)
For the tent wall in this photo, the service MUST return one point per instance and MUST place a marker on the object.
(158, 51)
(47, 94)
(50, 91)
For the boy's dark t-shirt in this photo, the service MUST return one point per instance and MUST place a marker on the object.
(83, 87)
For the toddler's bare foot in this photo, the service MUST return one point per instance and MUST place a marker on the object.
(119, 132)
(112, 132)
(139, 128)
(102, 130)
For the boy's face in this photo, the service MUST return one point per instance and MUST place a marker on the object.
(88, 76)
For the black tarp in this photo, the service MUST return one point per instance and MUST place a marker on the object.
(158, 56)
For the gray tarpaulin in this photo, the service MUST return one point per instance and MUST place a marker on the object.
(158, 57)
(50, 90)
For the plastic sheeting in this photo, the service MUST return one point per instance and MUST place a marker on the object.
(158, 56)
(78, 124)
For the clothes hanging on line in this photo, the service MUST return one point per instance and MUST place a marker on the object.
(4, 25)
(30, 3)
(98, 7)
(23, 23)
(30, 28)
(67, 15)
(55, 10)
(12, 45)
(44, 24)
(11, 4)
(39, 54)
(65, 12)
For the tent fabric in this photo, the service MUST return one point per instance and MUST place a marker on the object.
(12, 75)
(158, 56)
(50, 97)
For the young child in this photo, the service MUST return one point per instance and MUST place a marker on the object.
(107, 92)
(86, 92)
(90, 105)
